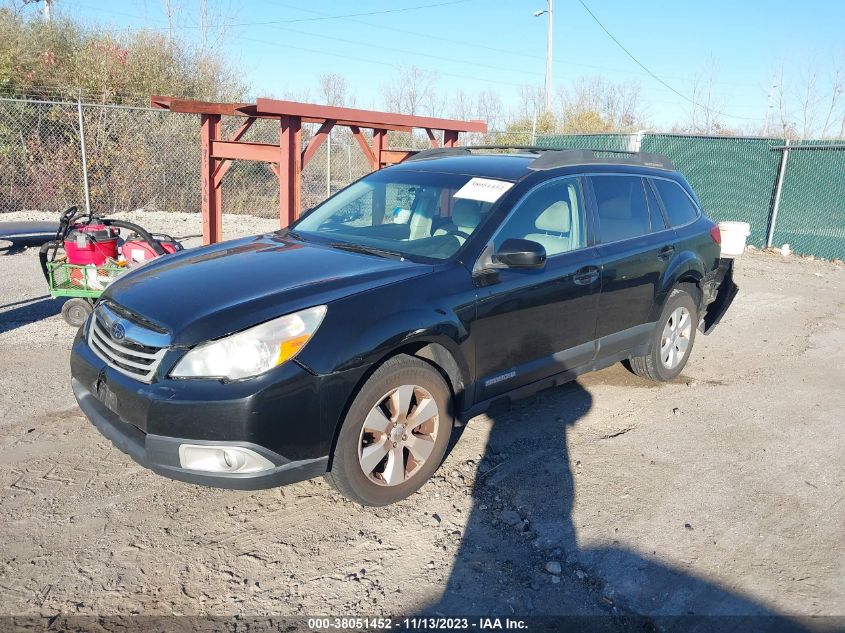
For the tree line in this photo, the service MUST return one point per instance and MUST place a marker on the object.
(63, 57)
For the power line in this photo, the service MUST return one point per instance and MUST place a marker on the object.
(324, 15)
(653, 75)
(293, 21)
(471, 44)
(410, 52)
(379, 62)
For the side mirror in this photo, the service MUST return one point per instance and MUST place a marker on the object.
(518, 253)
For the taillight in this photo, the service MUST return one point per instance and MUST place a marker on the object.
(716, 234)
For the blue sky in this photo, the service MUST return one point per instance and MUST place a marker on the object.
(497, 44)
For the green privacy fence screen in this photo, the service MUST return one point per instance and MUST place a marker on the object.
(811, 215)
(592, 141)
(733, 177)
(736, 179)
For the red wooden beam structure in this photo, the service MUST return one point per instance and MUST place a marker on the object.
(288, 158)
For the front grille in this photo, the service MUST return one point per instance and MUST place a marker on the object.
(126, 356)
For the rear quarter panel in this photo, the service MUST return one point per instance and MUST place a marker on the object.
(696, 255)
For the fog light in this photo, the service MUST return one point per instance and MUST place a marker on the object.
(222, 459)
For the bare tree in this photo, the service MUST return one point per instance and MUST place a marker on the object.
(461, 106)
(811, 102)
(787, 127)
(334, 90)
(594, 104)
(531, 102)
(705, 111)
(169, 14)
(488, 108)
(414, 91)
(834, 98)
(48, 7)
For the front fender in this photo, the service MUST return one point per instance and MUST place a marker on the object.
(353, 351)
(418, 327)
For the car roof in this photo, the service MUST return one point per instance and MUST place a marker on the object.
(501, 166)
(516, 166)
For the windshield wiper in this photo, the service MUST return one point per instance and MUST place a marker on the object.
(368, 250)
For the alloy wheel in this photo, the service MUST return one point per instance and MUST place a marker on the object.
(676, 337)
(398, 435)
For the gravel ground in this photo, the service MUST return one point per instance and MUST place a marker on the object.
(719, 493)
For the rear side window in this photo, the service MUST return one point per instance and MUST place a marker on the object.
(658, 223)
(622, 208)
(679, 208)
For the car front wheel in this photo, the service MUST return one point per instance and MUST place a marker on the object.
(395, 433)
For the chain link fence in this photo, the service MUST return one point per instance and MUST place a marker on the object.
(140, 158)
(811, 211)
(146, 159)
(737, 178)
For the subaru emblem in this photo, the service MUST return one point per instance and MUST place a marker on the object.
(118, 331)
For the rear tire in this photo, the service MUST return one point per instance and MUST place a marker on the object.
(394, 435)
(671, 341)
(75, 311)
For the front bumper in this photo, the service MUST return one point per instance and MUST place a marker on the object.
(161, 454)
(277, 415)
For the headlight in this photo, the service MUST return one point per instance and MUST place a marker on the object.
(252, 351)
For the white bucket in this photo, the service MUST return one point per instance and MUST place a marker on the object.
(734, 235)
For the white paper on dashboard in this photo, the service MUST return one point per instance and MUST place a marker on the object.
(483, 189)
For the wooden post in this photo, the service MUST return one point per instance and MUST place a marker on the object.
(379, 145)
(450, 138)
(290, 169)
(211, 203)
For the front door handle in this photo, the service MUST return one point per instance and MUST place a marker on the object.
(666, 252)
(587, 275)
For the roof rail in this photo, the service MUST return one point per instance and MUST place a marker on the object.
(438, 152)
(564, 157)
(552, 157)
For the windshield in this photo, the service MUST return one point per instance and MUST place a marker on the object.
(413, 214)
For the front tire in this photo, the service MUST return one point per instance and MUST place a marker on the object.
(672, 340)
(395, 434)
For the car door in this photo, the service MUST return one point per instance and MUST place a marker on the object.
(533, 323)
(634, 248)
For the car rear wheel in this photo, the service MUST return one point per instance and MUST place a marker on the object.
(672, 339)
(395, 433)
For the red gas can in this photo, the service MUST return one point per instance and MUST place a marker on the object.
(91, 244)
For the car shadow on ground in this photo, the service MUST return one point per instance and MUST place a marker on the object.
(19, 313)
(521, 527)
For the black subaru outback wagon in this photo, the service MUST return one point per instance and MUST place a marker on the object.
(348, 344)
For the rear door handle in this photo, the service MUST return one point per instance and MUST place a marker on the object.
(666, 252)
(587, 275)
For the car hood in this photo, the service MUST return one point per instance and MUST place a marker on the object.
(208, 292)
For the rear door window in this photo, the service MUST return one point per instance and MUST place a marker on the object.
(621, 206)
(679, 208)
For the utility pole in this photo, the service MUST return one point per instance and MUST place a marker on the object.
(48, 8)
(549, 52)
(769, 107)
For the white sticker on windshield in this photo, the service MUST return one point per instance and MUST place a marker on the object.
(483, 189)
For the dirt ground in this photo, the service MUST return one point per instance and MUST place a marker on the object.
(719, 493)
